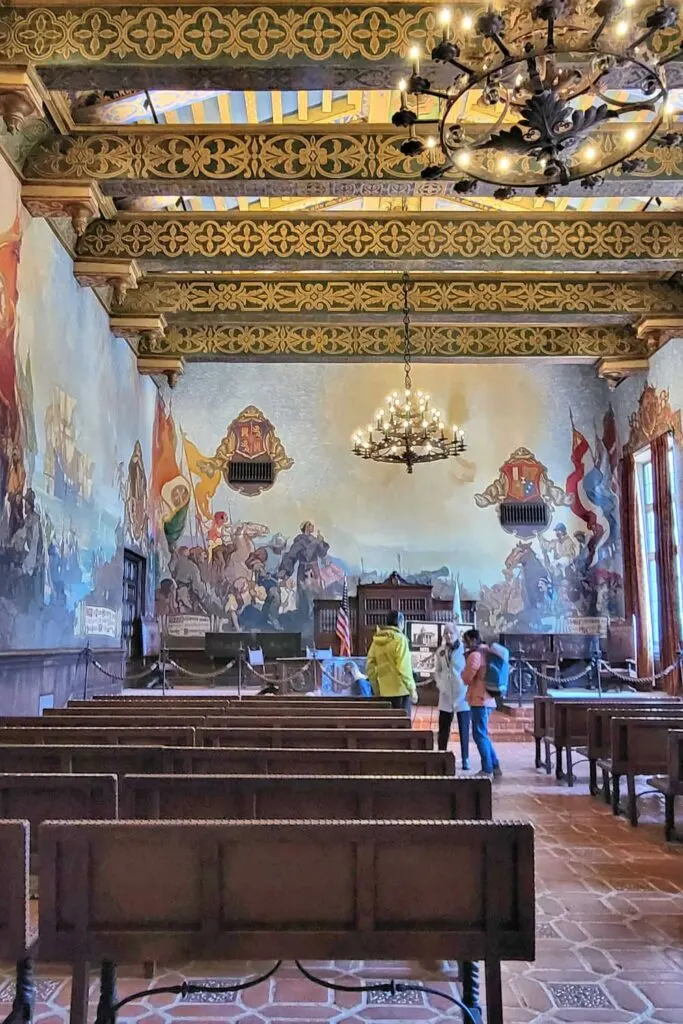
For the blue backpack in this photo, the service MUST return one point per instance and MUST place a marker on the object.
(497, 676)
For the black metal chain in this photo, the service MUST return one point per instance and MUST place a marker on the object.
(406, 331)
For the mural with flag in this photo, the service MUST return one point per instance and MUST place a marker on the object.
(170, 489)
(591, 491)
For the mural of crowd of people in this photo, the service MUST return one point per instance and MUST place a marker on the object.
(63, 524)
(236, 575)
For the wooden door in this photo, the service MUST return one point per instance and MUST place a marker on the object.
(133, 605)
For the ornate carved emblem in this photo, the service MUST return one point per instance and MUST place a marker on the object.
(251, 436)
(653, 417)
(522, 480)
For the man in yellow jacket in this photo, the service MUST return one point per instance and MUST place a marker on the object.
(389, 667)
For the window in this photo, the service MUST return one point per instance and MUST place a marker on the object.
(648, 539)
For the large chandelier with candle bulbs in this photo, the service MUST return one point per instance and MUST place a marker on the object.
(409, 430)
(551, 92)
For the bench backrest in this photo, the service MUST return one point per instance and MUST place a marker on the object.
(225, 720)
(251, 710)
(68, 797)
(175, 891)
(570, 717)
(599, 737)
(88, 760)
(640, 745)
(128, 760)
(282, 796)
(175, 736)
(352, 739)
(69, 720)
(14, 875)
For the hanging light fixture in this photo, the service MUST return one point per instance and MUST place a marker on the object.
(564, 91)
(408, 430)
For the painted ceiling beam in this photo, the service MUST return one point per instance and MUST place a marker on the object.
(434, 242)
(313, 160)
(187, 298)
(246, 46)
(348, 342)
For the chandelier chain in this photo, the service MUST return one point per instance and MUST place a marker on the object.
(406, 331)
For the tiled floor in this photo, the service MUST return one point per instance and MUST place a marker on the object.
(610, 933)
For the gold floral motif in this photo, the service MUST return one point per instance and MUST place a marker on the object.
(281, 296)
(275, 154)
(284, 341)
(409, 237)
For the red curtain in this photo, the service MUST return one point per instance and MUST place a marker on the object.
(666, 560)
(634, 589)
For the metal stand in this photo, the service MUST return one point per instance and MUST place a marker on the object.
(24, 1000)
(164, 655)
(240, 655)
(469, 979)
(85, 675)
(106, 1012)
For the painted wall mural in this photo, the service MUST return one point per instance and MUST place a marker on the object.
(258, 561)
(73, 477)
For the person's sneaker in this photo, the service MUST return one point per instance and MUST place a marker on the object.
(498, 772)
(482, 775)
(466, 766)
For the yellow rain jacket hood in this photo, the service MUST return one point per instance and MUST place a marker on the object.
(389, 667)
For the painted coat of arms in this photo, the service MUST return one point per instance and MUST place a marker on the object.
(523, 480)
(252, 437)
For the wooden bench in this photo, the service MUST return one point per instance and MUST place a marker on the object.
(354, 739)
(68, 797)
(640, 746)
(15, 928)
(67, 720)
(295, 702)
(174, 736)
(128, 760)
(268, 709)
(272, 890)
(671, 785)
(599, 738)
(225, 720)
(86, 760)
(286, 796)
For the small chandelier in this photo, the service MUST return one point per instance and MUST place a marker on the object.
(409, 430)
(551, 94)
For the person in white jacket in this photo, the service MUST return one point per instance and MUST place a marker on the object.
(450, 661)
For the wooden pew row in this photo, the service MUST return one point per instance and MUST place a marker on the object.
(271, 890)
(226, 720)
(282, 796)
(671, 784)
(304, 701)
(172, 736)
(130, 760)
(640, 746)
(385, 739)
(352, 739)
(599, 745)
(14, 876)
(563, 722)
(68, 797)
(249, 710)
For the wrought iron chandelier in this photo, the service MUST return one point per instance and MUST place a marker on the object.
(565, 92)
(409, 430)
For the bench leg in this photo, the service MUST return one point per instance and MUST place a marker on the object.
(616, 795)
(80, 982)
(537, 741)
(494, 992)
(570, 767)
(546, 745)
(669, 817)
(592, 776)
(632, 802)
(606, 791)
(149, 969)
(559, 774)
(469, 981)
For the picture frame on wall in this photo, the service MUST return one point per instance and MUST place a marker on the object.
(424, 634)
(423, 662)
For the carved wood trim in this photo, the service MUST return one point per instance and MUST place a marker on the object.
(653, 417)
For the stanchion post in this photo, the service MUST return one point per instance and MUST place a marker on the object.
(164, 654)
(85, 673)
(106, 1013)
(240, 655)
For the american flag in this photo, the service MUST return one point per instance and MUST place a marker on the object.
(343, 626)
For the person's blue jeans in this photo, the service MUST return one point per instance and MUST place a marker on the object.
(482, 740)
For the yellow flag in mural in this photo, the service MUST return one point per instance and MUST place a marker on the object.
(208, 478)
